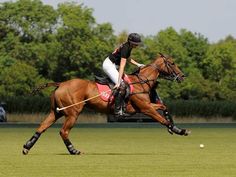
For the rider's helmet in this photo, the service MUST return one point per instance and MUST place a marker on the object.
(134, 38)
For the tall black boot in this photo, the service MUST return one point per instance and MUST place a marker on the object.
(119, 104)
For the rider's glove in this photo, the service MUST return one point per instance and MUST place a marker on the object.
(140, 65)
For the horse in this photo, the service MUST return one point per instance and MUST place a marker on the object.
(69, 98)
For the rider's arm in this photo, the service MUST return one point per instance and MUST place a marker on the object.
(121, 70)
(136, 63)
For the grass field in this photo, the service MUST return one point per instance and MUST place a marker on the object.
(120, 152)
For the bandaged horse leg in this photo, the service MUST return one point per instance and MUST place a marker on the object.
(172, 128)
(179, 131)
(148, 109)
(49, 120)
(68, 124)
(162, 110)
(29, 144)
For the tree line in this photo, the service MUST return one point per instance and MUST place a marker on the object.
(41, 44)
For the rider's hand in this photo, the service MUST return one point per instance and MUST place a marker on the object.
(140, 65)
(116, 86)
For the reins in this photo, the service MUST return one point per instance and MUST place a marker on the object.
(142, 81)
(147, 81)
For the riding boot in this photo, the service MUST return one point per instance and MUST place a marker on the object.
(119, 102)
(118, 107)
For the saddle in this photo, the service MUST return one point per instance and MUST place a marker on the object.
(104, 80)
(105, 85)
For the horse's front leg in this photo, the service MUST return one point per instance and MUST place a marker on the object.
(130, 109)
(67, 126)
(150, 110)
(158, 106)
(161, 109)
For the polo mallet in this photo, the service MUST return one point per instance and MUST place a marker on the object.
(102, 93)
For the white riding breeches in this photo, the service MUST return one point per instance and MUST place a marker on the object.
(111, 70)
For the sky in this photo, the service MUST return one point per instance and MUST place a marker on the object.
(214, 19)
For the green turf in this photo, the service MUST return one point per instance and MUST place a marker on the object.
(120, 152)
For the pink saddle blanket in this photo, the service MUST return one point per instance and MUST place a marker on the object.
(105, 92)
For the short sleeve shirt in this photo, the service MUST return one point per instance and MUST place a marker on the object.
(123, 51)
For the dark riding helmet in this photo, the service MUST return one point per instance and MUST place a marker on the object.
(134, 38)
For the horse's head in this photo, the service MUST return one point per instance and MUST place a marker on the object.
(168, 69)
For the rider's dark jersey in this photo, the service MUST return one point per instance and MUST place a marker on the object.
(123, 51)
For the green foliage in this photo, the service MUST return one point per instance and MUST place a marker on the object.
(197, 108)
(18, 78)
(27, 104)
(39, 43)
(169, 42)
(219, 61)
(30, 20)
(84, 44)
(196, 46)
(28, 27)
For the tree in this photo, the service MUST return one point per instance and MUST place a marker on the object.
(84, 44)
(169, 42)
(17, 78)
(122, 37)
(196, 45)
(220, 61)
(27, 28)
(29, 19)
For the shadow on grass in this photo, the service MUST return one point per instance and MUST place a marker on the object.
(110, 153)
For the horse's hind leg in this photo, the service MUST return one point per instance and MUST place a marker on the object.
(49, 120)
(67, 126)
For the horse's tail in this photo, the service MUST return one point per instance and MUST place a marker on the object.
(37, 89)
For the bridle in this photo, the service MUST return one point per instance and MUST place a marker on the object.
(169, 75)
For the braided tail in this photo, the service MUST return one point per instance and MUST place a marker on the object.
(37, 89)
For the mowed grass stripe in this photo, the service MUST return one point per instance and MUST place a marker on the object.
(120, 152)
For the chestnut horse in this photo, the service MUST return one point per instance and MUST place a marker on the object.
(78, 91)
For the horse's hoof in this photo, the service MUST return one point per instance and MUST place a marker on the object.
(78, 153)
(170, 132)
(187, 132)
(25, 151)
(75, 152)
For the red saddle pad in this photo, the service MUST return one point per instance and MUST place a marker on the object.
(105, 92)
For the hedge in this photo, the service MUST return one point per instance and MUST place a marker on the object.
(182, 108)
(199, 108)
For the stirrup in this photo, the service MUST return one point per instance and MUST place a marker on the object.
(126, 114)
(120, 113)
